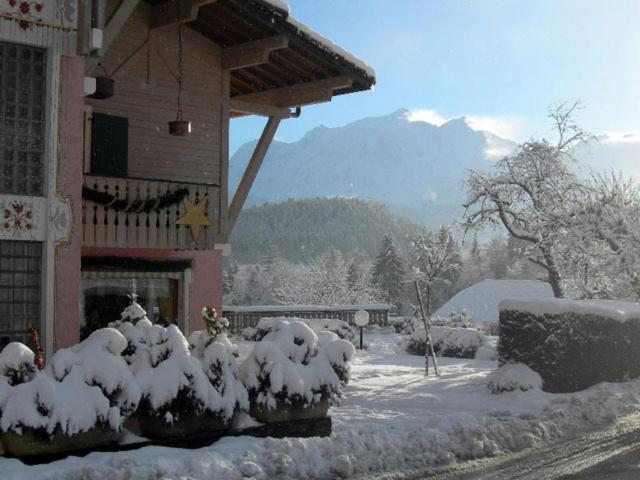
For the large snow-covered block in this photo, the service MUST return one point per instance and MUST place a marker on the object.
(572, 344)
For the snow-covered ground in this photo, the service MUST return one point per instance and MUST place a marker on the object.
(392, 419)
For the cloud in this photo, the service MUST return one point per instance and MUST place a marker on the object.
(428, 116)
(509, 127)
(620, 137)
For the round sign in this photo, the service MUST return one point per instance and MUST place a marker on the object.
(361, 318)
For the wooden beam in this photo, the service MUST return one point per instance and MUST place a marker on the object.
(250, 54)
(251, 171)
(248, 108)
(113, 26)
(167, 13)
(299, 94)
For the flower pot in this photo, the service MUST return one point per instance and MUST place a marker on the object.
(287, 412)
(38, 442)
(184, 426)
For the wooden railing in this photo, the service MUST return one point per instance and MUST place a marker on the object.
(107, 227)
(241, 317)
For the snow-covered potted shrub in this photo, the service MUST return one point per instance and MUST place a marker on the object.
(293, 373)
(79, 401)
(185, 392)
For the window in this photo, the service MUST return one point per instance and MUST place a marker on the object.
(106, 282)
(20, 295)
(22, 118)
(109, 145)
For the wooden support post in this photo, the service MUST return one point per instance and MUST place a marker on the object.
(166, 13)
(248, 108)
(251, 171)
(299, 94)
(253, 53)
(111, 30)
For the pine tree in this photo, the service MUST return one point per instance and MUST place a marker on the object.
(388, 271)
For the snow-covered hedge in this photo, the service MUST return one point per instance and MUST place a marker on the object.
(86, 386)
(513, 376)
(572, 344)
(294, 365)
(176, 381)
(447, 341)
(267, 325)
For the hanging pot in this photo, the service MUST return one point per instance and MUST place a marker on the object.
(104, 88)
(179, 128)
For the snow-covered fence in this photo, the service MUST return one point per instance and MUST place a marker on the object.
(241, 317)
(572, 344)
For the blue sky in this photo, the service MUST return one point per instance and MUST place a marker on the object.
(501, 63)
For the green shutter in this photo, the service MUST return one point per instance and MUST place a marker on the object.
(109, 145)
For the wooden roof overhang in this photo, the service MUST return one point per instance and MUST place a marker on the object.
(273, 59)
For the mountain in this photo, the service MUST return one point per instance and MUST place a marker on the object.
(303, 228)
(413, 166)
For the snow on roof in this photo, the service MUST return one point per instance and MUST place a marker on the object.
(614, 309)
(319, 40)
(304, 308)
(327, 45)
(483, 298)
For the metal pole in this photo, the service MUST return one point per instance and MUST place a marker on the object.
(361, 329)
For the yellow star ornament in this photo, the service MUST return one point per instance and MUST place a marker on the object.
(195, 216)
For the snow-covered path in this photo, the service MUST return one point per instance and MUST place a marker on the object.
(393, 418)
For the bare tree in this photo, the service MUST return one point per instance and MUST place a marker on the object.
(434, 264)
(531, 193)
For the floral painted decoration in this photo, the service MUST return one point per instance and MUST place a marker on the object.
(17, 216)
(25, 12)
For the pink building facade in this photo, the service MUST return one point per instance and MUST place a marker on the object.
(102, 192)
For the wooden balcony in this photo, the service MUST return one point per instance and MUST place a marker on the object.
(103, 226)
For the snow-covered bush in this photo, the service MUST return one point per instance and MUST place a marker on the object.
(488, 351)
(447, 341)
(215, 325)
(174, 383)
(83, 387)
(293, 365)
(460, 318)
(17, 363)
(218, 357)
(267, 325)
(513, 376)
(572, 344)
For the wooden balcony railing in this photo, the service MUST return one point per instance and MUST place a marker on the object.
(103, 226)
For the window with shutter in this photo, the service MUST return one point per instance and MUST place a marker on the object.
(109, 145)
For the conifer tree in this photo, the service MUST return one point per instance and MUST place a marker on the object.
(388, 271)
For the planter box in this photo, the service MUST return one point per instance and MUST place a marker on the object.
(286, 412)
(184, 426)
(36, 442)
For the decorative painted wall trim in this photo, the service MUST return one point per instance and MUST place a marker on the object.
(60, 14)
(21, 218)
(60, 225)
(35, 218)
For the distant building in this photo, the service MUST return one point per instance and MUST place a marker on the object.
(97, 198)
(483, 298)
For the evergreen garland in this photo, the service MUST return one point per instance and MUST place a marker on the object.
(136, 206)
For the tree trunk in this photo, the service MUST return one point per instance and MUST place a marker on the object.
(553, 275)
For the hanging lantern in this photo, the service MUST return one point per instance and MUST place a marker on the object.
(179, 127)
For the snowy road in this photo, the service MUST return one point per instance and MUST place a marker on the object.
(394, 420)
(609, 454)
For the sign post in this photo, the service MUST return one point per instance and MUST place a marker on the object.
(362, 320)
